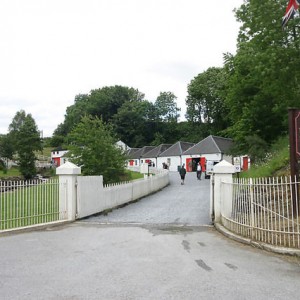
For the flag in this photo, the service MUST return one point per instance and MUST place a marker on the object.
(290, 11)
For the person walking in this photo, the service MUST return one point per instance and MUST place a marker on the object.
(199, 171)
(182, 173)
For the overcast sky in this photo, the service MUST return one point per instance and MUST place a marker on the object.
(53, 50)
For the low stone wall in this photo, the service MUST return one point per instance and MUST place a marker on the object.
(87, 196)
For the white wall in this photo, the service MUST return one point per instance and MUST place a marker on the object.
(228, 158)
(213, 157)
(175, 161)
(93, 197)
(58, 153)
(136, 162)
(87, 188)
(153, 160)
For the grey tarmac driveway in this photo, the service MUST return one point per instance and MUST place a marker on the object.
(117, 257)
(186, 204)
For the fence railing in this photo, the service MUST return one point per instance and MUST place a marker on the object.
(26, 203)
(30, 203)
(264, 210)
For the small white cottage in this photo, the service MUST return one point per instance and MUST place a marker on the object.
(212, 148)
(172, 157)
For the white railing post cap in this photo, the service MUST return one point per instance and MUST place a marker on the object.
(68, 169)
(224, 167)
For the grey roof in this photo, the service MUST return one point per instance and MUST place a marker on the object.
(177, 149)
(131, 152)
(157, 150)
(141, 151)
(210, 145)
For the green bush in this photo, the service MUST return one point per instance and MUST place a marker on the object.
(276, 162)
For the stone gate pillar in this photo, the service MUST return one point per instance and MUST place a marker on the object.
(222, 172)
(67, 189)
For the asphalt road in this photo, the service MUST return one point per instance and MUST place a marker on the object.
(161, 247)
(186, 204)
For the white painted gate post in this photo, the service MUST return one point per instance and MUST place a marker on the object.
(67, 188)
(223, 172)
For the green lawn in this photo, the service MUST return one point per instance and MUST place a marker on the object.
(29, 205)
(34, 204)
(130, 175)
(13, 172)
(45, 152)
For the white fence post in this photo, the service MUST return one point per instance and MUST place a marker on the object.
(222, 173)
(67, 195)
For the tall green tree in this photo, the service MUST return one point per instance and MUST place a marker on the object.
(264, 75)
(25, 138)
(6, 151)
(103, 103)
(106, 102)
(92, 146)
(134, 123)
(206, 100)
(166, 107)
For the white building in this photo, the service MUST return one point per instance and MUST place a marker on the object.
(57, 157)
(212, 148)
(172, 157)
(152, 155)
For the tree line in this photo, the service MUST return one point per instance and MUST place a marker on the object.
(247, 99)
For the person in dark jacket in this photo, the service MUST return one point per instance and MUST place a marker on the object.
(182, 173)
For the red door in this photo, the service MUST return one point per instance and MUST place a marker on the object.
(203, 163)
(189, 165)
(56, 161)
(245, 163)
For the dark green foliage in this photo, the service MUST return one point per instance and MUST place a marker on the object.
(135, 121)
(3, 166)
(264, 74)
(275, 163)
(166, 107)
(47, 142)
(206, 100)
(6, 147)
(103, 103)
(25, 139)
(92, 146)
(133, 124)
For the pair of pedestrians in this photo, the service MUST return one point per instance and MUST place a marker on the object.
(182, 173)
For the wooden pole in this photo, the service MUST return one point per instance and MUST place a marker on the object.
(293, 132)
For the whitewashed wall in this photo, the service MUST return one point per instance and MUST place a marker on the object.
(153, 160)
(89, 188)
(175, 161)
(93, 197)
(227, 158)
(136, 162)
